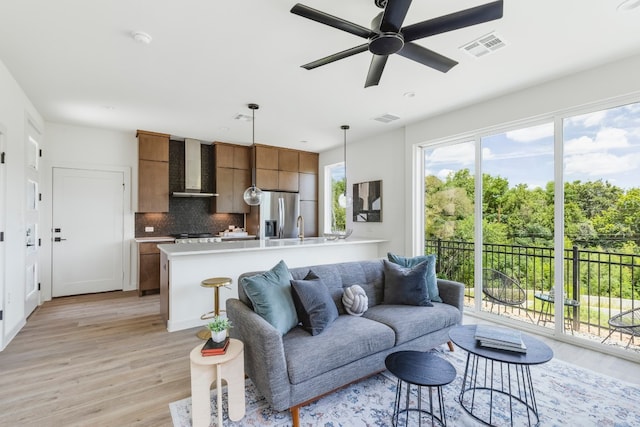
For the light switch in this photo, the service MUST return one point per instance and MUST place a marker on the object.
(148, 229)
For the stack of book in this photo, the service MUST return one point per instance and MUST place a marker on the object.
(212, 348)
(500, 338)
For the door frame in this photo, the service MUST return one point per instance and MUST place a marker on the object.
(128, 260)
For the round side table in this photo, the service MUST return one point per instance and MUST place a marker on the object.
(216, 283)
(206, 369)
(423, 370)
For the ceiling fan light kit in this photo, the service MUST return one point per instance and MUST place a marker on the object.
(387, 36)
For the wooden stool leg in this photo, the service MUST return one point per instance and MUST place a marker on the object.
(201, 379)
(233, 373)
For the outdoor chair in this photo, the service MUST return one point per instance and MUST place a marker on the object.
(501, 289)
(627, 322)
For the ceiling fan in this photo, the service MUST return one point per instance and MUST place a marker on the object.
(387, 35)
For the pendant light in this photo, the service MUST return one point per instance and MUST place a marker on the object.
(344, 200)
(253, 195)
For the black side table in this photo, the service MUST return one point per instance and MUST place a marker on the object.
(497, 381)
(423, 370)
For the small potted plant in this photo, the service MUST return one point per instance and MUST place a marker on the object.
(218, 327)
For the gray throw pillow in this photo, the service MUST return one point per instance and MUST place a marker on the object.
(432, 280)
(270, 294)
(314, 305)
(405, 285)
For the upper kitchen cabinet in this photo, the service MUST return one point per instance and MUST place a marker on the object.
(232, 176)
(153, 172)
(308, 162)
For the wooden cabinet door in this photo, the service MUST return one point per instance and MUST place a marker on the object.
(308, 186)
(266, 157)
(153, 146)
(308, 162)
(267, 179)
(241, 157)
(153, 186)
(241, 181)
(288, 181)
(288, 160)
(309, 211)
(149, 268)
(224, 155)
(223, 203)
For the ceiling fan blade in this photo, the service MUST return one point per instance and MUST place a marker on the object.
(464, 18)
(394, 14)
(336, 56)
(427, 57)
(375, 70)
(330, 20)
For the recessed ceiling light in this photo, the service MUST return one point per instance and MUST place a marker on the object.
(409, 94)
(223, 129)
(304, 141)
(141, 37)
(628, 5)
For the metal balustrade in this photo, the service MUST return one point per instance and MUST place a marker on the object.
(604, 283)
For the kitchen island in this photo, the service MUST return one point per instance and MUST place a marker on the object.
(184, 266)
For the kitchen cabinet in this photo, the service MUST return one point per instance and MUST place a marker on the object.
(148, 268)
(266, 157)
(232, 176)
(308, 162)
(288, 160)
(309, 211)
(153, 172)
(308, 186)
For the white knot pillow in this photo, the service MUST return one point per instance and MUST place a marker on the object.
(355, 300)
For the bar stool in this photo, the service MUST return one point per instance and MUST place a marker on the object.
(216, 283)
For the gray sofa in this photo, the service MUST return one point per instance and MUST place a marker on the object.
(297, 368)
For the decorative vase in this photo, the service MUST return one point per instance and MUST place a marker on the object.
(218, 336)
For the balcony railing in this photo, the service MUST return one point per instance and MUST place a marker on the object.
(603, 283)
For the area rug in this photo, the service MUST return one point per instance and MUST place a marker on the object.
(566, 396)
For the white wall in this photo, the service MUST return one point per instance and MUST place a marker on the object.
(390, 156)
(15, 112)
(94, 149)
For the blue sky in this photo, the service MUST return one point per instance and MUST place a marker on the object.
(601, 145)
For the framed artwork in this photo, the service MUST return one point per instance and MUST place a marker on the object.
(367, 201)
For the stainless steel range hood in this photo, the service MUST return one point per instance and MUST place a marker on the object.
(192, 171)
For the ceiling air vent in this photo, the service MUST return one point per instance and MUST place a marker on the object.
(484, 45)
(386, 118)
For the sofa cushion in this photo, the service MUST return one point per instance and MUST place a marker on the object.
(368, 274)
(349, 338)
(405, 285)
(314, 305)
(432, 283)
(270, 295)
(410, 322)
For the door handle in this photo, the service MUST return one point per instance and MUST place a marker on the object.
(58, 239)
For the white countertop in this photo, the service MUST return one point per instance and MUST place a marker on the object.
(154, 239)
(184, 249)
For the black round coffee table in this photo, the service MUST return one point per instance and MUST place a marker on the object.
(422, 370)
(498, 379)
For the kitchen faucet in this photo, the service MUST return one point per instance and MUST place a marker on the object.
(300, 225)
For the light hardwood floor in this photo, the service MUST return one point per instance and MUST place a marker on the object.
(107, 360)
(95, 360)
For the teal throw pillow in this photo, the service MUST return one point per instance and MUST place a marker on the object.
(314, 305)
(405, 285)
(432, 281)
(270, 294)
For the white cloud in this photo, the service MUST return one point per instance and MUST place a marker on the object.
(606, 139)
(455, 154)
(444, 173)
(601, 164)
(531, 134)
(589, 119)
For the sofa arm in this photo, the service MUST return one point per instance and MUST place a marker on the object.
(264, 359)
(452, 293)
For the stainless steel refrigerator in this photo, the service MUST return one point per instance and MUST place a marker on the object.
(276, 217)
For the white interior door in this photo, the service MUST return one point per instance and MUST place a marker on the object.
(3, 206)
(88, 233)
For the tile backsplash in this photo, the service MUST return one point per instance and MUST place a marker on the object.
(186, 215)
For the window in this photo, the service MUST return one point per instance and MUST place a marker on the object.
(591, 165)
(335, 215)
